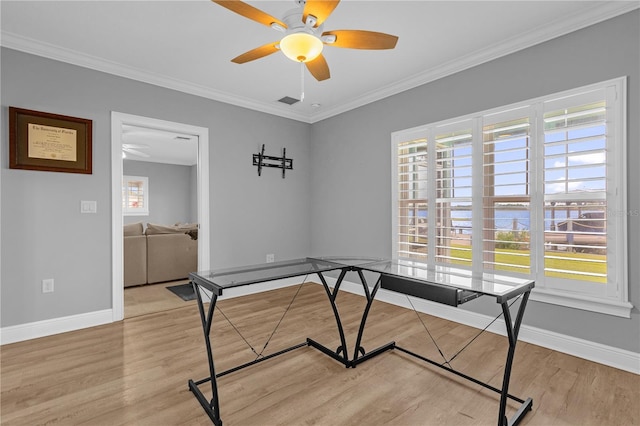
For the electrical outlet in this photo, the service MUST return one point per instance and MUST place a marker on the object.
(47, 285)
(271, 258)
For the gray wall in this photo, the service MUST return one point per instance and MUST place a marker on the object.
(339, 203)
(45, 236)
(351, 175)
(172, 192)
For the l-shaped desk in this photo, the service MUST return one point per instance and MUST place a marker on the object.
(447, 285)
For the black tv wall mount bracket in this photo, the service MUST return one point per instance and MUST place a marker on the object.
(262, 160)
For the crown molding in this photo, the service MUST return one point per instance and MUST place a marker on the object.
(584, 18)
(50, 51)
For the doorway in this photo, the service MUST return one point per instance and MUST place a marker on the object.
(120, 122)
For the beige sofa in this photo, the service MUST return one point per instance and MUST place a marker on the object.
(159, 253)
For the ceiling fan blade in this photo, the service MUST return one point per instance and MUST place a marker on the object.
(321, 9)
(250, 12)
(360, 39)
(257, 53)
(135, 152)
(319, 68)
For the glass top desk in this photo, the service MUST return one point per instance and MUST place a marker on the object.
(421, 278)
(220, 279)
(445, 285)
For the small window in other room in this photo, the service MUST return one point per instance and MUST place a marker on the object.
(135, 196)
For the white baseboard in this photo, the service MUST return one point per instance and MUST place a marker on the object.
(33, 330)
(592, 351)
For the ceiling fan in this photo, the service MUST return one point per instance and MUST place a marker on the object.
(304, 36)
(133, 149)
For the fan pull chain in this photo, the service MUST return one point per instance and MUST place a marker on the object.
(301, 81)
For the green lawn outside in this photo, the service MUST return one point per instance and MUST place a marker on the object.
(569, 262)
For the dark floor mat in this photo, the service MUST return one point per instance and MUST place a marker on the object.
(183, 291)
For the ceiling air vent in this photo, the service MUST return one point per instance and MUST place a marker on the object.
(288, 100)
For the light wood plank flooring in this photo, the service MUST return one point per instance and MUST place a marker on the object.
(135, 372)
(152, 298)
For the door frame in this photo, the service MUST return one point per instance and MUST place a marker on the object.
(202, 193)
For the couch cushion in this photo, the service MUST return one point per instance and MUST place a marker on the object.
(191, 229)
(186, 226)
(170, 257)
(135, 260)
(153, 229)
(132, 229)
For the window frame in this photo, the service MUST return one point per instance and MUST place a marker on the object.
(141, 211)
(614, 298)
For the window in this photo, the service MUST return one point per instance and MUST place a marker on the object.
(506, 199)
(453, 194)
(534, 190)
(412, 203)
(575, 190)
(135, 196)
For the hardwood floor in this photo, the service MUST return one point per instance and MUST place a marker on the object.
(135, 372)
(152, 298)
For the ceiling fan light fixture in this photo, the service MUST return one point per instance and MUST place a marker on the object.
(301, 46)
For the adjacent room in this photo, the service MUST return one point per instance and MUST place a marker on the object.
(160, 218)
(320, 212)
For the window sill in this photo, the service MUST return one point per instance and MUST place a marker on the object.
(135, 213)
(608, 307)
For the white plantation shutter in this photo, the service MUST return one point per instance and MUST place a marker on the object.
(454, 184)
(506, 195)
(536, 190)
(413, 185)
(575, 187)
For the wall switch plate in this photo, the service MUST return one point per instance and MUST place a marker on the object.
(88, 206)
(47, 285)
(271, 258)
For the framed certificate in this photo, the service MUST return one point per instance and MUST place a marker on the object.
(49, 142)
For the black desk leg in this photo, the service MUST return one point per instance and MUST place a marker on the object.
(341, 352)
(212, 407)
(512, 333)
(359, 350)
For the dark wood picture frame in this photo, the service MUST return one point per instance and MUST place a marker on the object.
(49, 142)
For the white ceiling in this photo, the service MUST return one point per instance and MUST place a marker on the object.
(188, 45)
(159, 146)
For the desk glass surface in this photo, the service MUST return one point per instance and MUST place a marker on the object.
(500, 286)
(404, 276)
(219, 279)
